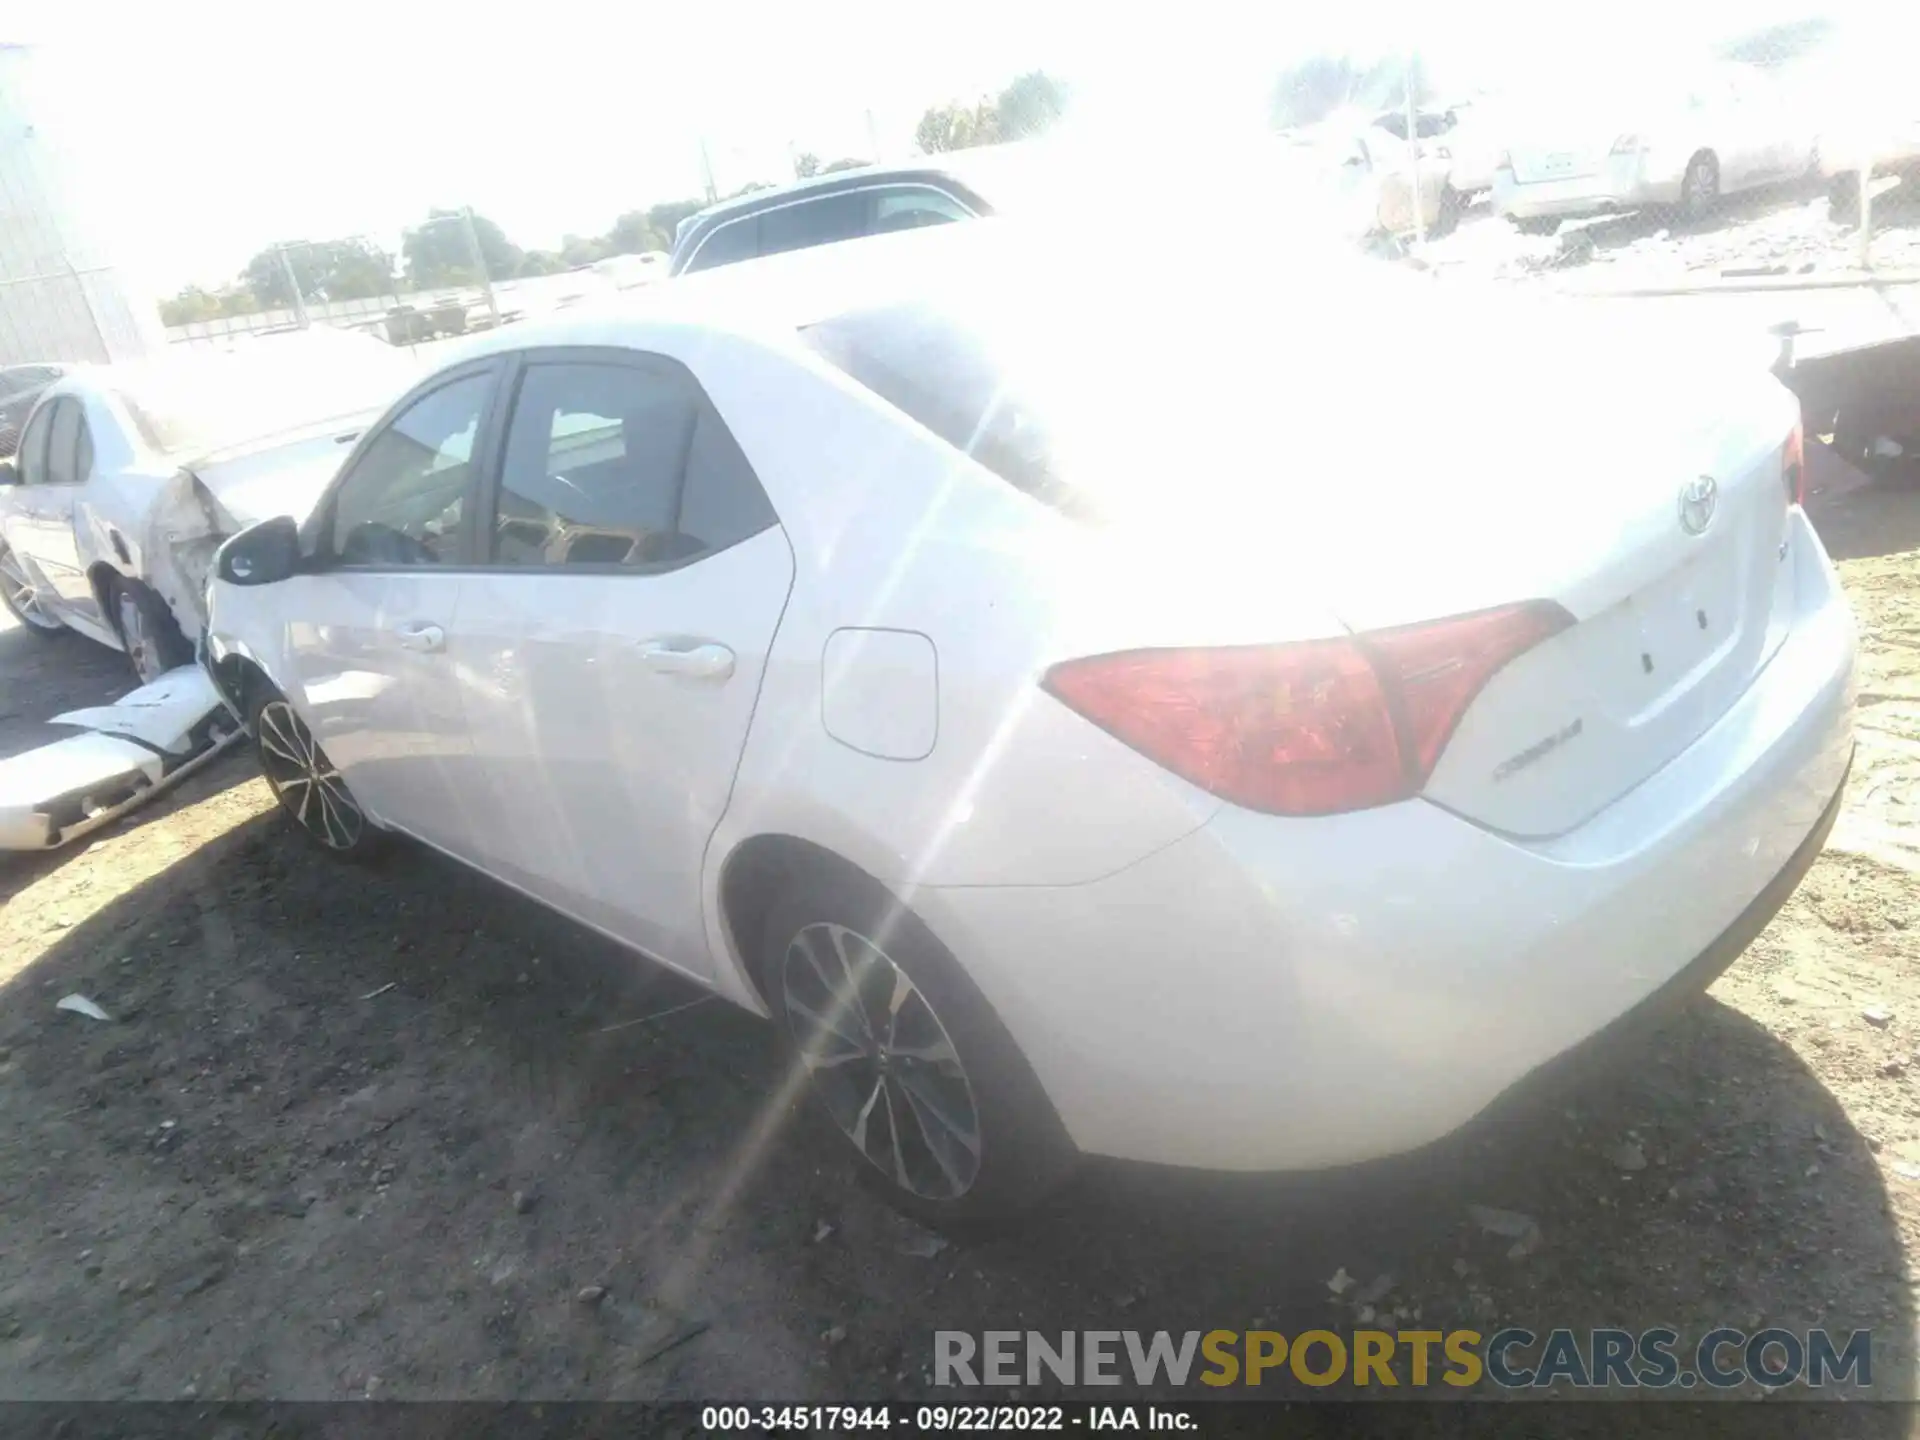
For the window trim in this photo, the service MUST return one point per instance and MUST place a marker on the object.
(651, 361)
(316, 540)
(965, 202)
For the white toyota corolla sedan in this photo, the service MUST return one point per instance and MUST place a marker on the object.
(1081, 714)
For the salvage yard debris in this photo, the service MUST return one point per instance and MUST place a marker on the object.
(81, 1005)
(136, 750)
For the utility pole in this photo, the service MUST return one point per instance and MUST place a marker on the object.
(480, 259)
(293, 285)
(706, 171)
(1866, 215)
(1413, 153)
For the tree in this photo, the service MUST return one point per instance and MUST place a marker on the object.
(439, 253)
(191, 304)
(579, 250)
(633, 234)
(542, 262)
(349, 269)
(665, 217)
(956, 127)
(806, 165)
(1029, 105)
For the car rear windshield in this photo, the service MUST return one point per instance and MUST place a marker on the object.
(949, 376)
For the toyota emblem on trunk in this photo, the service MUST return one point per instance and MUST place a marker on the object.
(1697, 499)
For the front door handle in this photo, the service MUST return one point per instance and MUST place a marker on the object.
(423, 638)
(699, 659)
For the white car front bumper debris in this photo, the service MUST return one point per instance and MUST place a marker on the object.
(135, 750)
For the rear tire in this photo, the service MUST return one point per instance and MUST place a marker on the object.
(1536, 224)
(888, 1028)
(1843, 199)
(1700, 188)
(305, 781)
(148, 632)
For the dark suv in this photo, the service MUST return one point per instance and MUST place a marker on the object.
(851, 203)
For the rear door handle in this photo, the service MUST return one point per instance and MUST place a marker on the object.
(699, 659)
(423, 638)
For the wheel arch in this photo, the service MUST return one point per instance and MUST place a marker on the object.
(754, 874)
(101, 580)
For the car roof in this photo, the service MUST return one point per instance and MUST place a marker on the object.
(974, 171)
(773, 297)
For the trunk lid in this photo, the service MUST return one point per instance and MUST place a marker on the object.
(1490, 454)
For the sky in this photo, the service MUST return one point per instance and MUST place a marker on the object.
(203, 130)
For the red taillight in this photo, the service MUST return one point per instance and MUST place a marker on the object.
(1793, 466)
(1310, 728)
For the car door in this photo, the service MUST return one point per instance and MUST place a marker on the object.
(613, 641)
(55, 461)
(366, 630)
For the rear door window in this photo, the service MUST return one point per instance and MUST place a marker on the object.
(819, 221)
(620, 464)
(947, 376)
(909, 207)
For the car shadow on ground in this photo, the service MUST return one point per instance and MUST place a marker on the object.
(494, 1156)
(1860, 518)
(48, 675)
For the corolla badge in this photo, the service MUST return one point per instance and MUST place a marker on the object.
(1698, 497)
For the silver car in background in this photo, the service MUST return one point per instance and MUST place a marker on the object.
(1702, 135)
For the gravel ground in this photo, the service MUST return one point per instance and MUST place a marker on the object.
(399, 1133)
(1772, 232)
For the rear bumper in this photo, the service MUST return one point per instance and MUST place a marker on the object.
(1623, 182)
(1281, 994)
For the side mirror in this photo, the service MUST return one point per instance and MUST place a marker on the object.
(263, 554)
(9, 473)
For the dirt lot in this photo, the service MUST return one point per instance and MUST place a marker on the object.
(356, 1134)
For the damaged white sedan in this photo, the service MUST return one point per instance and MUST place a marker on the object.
(129, 476)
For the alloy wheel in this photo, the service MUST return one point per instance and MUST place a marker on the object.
(881, 1061)
(305, 781)
(23, 594)
(1700, 188)
(136, 634)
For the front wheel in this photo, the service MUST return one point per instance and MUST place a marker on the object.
(148, 632)
(907, 1058)
(305, 781)
(25, 600)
